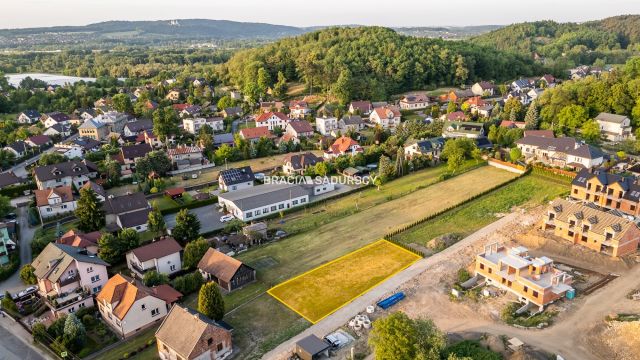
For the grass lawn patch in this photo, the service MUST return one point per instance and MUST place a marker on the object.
(132, 345)
(530, 190)
(325, 289)
(246, 124)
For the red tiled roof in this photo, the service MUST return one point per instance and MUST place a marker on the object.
(174, 191)
(157, 249)
(42, 196)
(265, 116)
(255, 133)
(342, 144)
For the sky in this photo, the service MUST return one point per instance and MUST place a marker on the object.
(39, 13)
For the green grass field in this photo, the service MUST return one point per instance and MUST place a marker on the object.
(323, 290)
(531, 190)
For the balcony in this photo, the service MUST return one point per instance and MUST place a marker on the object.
(57, 301)
(70, 279)
(140, 271)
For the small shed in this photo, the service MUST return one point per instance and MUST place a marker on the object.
(312, 348)
(174, 193)
(259, 227)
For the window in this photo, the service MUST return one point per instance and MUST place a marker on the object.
(90, 269)
(632, 207)
(295, 202)
(490, 270)
(273, 208)
(219, 347)
(248, 214)
(97, 289)
(535, 294)
(144, 307)
(209, 341)
(155, 312)
(303, 200)
(258, 212)
(575, 191)
(172, 267)
(95, 278)
(570, 233)
(280, 206)
(526, 289)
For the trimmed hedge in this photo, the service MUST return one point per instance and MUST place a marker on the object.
(11, 267)
(15, 191)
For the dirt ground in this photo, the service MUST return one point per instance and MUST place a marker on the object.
(428, 295)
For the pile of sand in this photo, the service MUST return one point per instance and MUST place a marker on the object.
(623, 340)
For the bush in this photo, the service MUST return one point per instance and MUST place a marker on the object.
(189, 283)
(469, 349)
(11, 267)
(463, 275)
(27, 276)
(525, 319)
(88, 320)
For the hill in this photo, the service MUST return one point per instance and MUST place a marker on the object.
(612, 40)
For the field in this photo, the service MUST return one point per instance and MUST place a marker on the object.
(531, 190)
(323, 290)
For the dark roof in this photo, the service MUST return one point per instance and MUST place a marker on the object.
(301, 161)
(9, 178)
(352, 120)
(264, 195)
(61, 170)
(40, 139)
(586, 151)
(135, 151)
(483, 143)
(80, 254)
(95, 187)
(364, 106)
(426, 145)
(125, 203)
(226, 138)
(236, 176)
(134, 218)
(58, 116)
(629, 185)
(31, 114)
(87, 143)
(60, 127)
(301, 126)
(563, 144)
(157, 249)
(313, 345)
(19, 146)
(230, 111)
(139, 125)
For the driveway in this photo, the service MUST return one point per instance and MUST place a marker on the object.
(14, 284)
(208, 215)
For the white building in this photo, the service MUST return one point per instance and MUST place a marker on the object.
(236, 179)
(271, 120)
(414, 102)
(614, 127)
(326, 125)
(163, 256)
(194, 125)
(55, 202)
(388, 117)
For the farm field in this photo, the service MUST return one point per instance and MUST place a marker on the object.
(263, 322)
(323, 290)
(531, 190)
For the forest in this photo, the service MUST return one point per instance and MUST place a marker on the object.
(563, 45)
(373, 63)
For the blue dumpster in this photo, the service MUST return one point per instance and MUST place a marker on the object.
(571, 294)
(391, 300)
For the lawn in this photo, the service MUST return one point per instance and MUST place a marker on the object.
(246, 124)
(165, 202)
(134, 344)
(262, 323)
(333, 209)
(531, 190)
(325, 289)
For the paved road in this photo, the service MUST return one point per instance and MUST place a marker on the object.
(208, 215)
(14, 284)
(20, 169)
(15, 343)
(236, 123)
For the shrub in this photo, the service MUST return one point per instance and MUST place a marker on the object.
(88, 320)
(11, 267)
(463, 275)
(188, 283)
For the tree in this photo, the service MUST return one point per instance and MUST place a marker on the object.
(476, 154)
(224, 153)
(187, 226)
(165, 122)
(451, 107)
(571, 118)
(322, 169)
(590, 131)
(89, 211)
(154, 278)
(6, 158)
(234, 225)
(27, 275)
(74, 332)
(455, 159)
(51, 159)
(280, 88)
(342, 88)
(122, 103)
(398, 337)
(193, 252)
(210, 302)
(263, 81)
(128, 239)
(400, 163)
(205, 137)
(156, 221)
(531, 119)
(108, 249)
(8, 303)
(5, 206)
(515, 154)
(111, 168)
(385, 169)
(225, 102)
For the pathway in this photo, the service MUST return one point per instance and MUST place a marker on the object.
(16, 343)
(14, 284)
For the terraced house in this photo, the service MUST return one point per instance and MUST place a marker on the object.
(607, 190)
(601, 231)
(534, 280)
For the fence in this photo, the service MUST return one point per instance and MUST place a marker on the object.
(518, 169)
(556, 174)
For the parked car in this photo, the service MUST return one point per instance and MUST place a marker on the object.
(10, 216)
(226, 218)
(28, 291)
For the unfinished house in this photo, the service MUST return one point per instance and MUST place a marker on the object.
(534, 280)
(601, 231)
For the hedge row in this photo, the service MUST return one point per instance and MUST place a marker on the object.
(12, 266)
(557, 174)
(391, 236)
(17, 190)
(193, 205)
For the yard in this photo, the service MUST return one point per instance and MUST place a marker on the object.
(528, 191)
(165, 202)
(262, 323)
(323, 290)
(135, 344)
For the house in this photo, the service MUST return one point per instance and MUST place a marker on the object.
(93, 129)
(54, 118)
(548, 80)
(312, 347)
(135, 128)
(483, 88)
(601, 231)
(456, 129)
(102, 102)
(173, 95)
(534, 280)
(271, 120)
(129, 154)
(254, 134)
(456, 95)
(225, 271)
(39, 141)
(350, 123)
(186, 156)
(298, 163)
(563, 151)
(193, 125)
(70, 173)
(163, 256)
(225, 138)
(521, 85)
(362, 108)
(232, 111)
(8, 179)
(127, 306)
(85, 114)
(29, 117)
(54, 202)
(264, 200)
(235, 95)
(236, 179)
(425, 147)
(18, 149)
(114, 121)
(343, 145)
(69, 151)
(326, 125)
(68, 277)
(130, 211)
(513, 124)
(191, 111)
(607, 190)
(299, 129)
(61, 130)
(86, 144)
(256, 228)
(534, 94)
(98, 189)
(81, 240)
(542, 133)
(454, 116)
(186, 334)
(388, 117)
(174, 193)
(414, 102)
(5, 240)
(298, 109)
(270, 106)
(614, 127)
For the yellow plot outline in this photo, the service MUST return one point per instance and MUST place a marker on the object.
(270, 291)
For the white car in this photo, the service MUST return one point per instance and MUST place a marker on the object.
(225, 218)
(28, 291)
